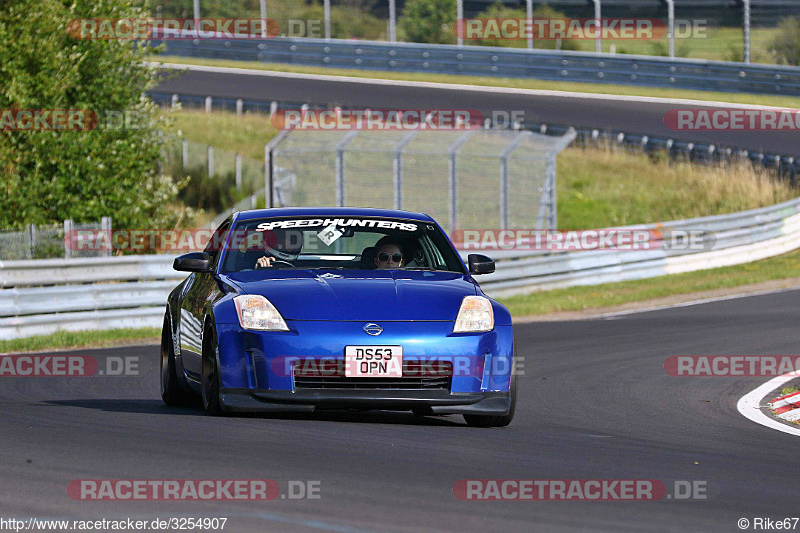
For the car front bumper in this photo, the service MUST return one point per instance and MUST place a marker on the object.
(306, 401)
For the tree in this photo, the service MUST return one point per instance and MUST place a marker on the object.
(429, 21)
(48, 176)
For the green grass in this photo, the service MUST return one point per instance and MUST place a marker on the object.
(607, 186)
(516, 83)
(81, 339)
(610, 294)
(721, 44)
(246, 134)
(789, 390)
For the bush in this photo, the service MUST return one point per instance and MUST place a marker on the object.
(429, 21)
(501, 11)
(786, 45)
(213, 194)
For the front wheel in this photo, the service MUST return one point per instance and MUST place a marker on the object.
(496, 421)
(210, 374)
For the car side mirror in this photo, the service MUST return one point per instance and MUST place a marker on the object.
(193, 262)
(480, 264)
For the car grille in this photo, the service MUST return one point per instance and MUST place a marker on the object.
(416, 376)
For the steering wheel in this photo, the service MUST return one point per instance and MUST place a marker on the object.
(275, 262)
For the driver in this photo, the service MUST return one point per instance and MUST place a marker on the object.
(280, 246)
(388, 254)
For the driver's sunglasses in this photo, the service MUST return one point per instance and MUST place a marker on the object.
(384, 257)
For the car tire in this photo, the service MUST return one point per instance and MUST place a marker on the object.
(171, 391)
(496, 421)
(209, 382)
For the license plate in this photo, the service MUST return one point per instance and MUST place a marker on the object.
(373, 361)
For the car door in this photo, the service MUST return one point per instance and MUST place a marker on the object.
(199, 286)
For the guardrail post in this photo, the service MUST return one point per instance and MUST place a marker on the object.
(32, 241)
(327, 16)
(459, 18)
(552, 218)
(746, 52)
(208, 104)
(185, 154)
(174, 101)
(263, 9)
(597, 15)
(105, 227)
(238, 172)
(67, 238)
(392, 21)
(529, 14)
(239, 106)
(671, 26)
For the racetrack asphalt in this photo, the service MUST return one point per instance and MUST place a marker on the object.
(620, 114)
(594, 403)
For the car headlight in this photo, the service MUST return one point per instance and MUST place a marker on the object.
(256, 312)
(475, 314)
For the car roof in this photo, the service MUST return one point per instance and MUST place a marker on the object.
(331, 212)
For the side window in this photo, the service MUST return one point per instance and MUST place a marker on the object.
(217, 241)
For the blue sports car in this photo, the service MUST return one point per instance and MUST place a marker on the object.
(299, 309)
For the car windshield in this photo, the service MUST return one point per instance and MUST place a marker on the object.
(356, 243)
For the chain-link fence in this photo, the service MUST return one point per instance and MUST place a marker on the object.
(52, 241)
(482, 178)
(180, 156)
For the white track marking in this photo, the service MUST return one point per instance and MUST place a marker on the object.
(458, 87)
(749, 404)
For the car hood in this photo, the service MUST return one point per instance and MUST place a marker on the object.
(359, 295)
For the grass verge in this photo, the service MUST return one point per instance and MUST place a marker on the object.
(246, 134)
(603, 186)
(514, 83)
(82, 339)
(611, 294)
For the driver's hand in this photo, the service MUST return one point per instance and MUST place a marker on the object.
(265, 262)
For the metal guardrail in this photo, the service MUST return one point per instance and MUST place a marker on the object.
(131, 291)
(566, 66)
